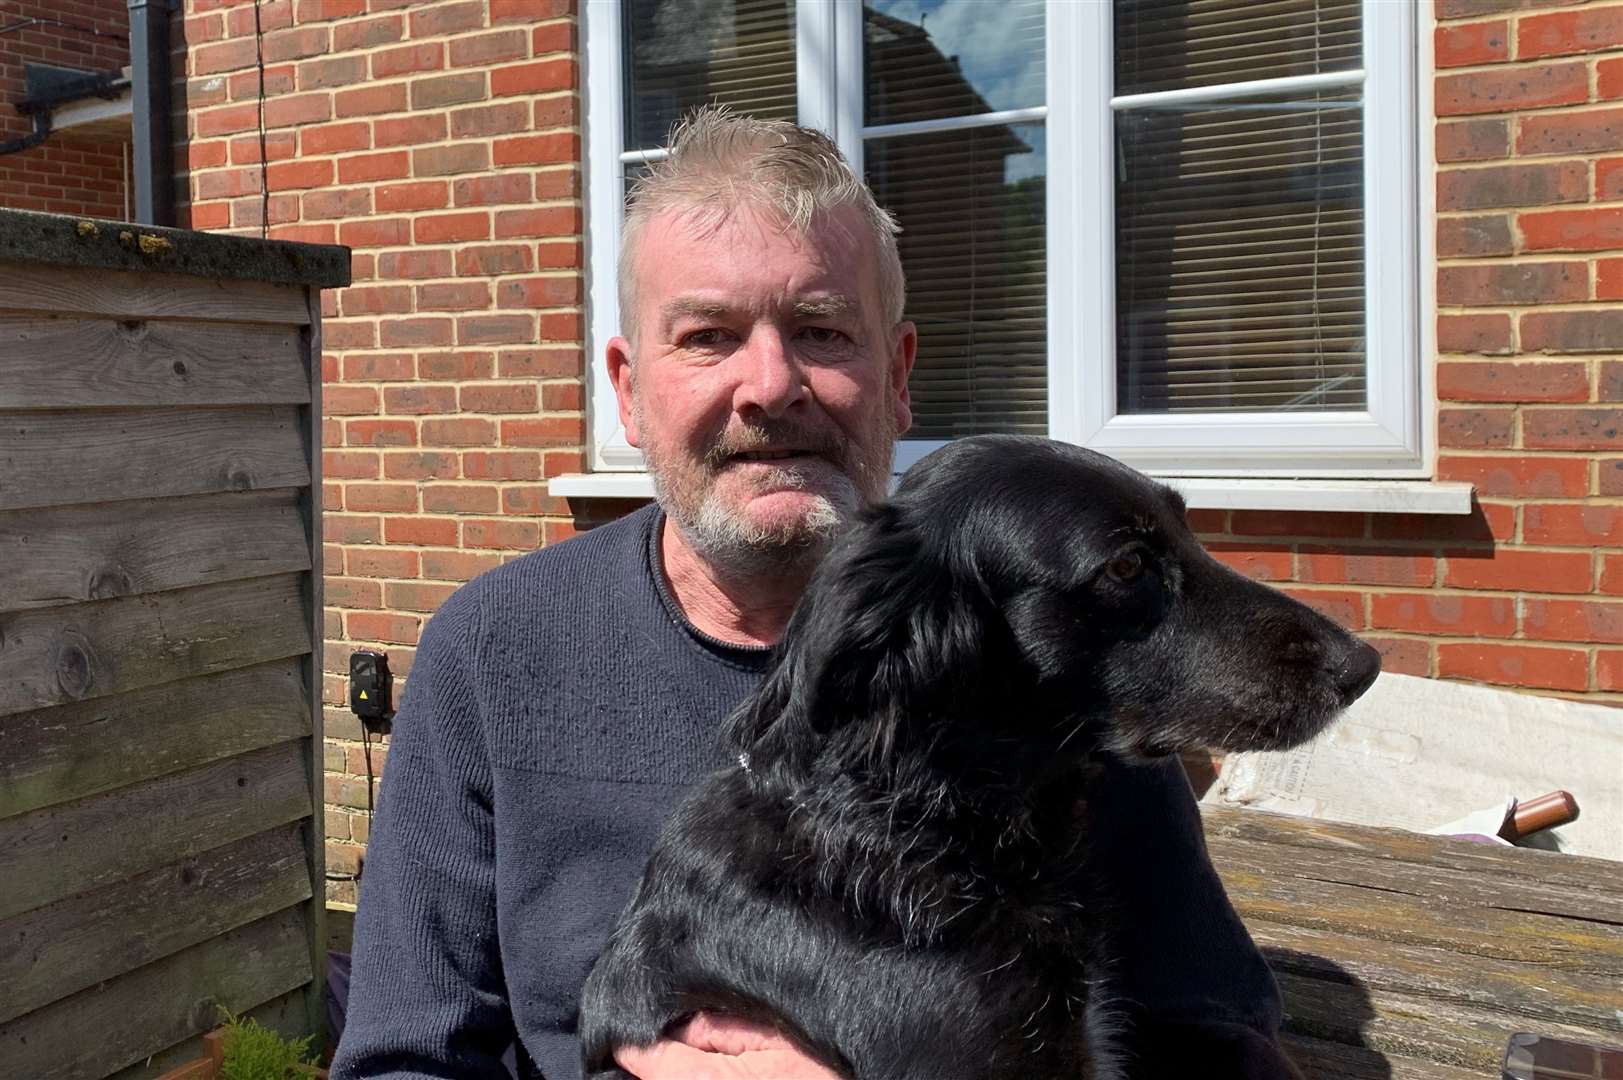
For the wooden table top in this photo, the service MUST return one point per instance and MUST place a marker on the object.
(1415, 957)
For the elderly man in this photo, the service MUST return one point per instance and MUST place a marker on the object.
(559, 706)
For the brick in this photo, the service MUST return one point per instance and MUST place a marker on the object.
(1573, 525)
(557, 183)
(419, 400)
(554, 112)
(556, 532)
(1476, 429)
(1474, 237)
(1515, 570)
(337, 203)
(340, 334)
(1609, 178)
(331, 72)
(1566, 33)
(364, 34)
(1609, 669)
(501, 535)
(1474, 333)
(528, 11)
(491, 190)
(211, 216)
(549, 149)
(452, 228)
(446, 160)
(458, 366)
(416, 595)
(1512, 283)
(279, 146)
(1461, 45)
(492, 48)
(245, 85)
(1444, 614)
(544, 431)
(457, 565)
(447, 19)
(380, 433)
(1570, 133)
(1512, 90)
(1611, 574)
(227, 183)
(1515, 665)
(349, 465)
(498, 398)
(1512, 477)
(482, 121)
(1609, 279)
(562, 326)
(310, 11)
(365, 168)
(1495, 186)
(414, 264)
(493, 260)
(349, 400)
(408, 59)
(495, 329)
(1281, 523)
(532, 501)
(351, 529)
(539, 292)
(383, 498)
(569, 396)
(299, 174)
(1573, 429)
(382, 626)
(376, 300)
(378, 232)
(422, 465)
(459, 431)
(385, 562)
(443, 90)
(420, 195)
(1336, 566)
(1404, 656)
(1547, 381)
(501, 464)
(460, 499)
(1572, 331)
(296, 43)
(1609, 384)
(422, 531)
(1345, 608)
(558, 37)
(454, 296)
(1572, 230)
(537, 77)
(350, 593)
(335, 138)
(227, 119)
(225, 56)
(298, 110)
(545, 221)
(370, 100)
(408, 130)
(208, 155)
(415, 333)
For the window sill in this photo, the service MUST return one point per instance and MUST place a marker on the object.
(1355, 496)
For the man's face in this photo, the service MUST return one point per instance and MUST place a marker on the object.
(767, 389)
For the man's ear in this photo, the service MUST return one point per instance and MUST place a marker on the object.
(903, 351)
(618, 359)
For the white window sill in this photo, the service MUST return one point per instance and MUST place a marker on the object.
(1357, 496)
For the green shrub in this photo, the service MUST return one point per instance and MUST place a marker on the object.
(255, 1052)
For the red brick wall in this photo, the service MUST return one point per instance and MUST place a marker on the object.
(441, 140)
(70, 173)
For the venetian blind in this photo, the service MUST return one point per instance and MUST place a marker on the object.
(1239, 221)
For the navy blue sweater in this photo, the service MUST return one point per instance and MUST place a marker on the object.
(558, 707)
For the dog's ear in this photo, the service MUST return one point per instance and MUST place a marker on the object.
(889, 638)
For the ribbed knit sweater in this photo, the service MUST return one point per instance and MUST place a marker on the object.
(558, 707)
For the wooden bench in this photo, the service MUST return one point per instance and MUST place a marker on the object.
(1415, 957)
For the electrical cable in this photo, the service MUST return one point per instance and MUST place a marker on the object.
(264, 174)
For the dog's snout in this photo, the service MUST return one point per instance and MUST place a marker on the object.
(1357, 671)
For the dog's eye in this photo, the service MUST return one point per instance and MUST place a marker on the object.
(1126, 566)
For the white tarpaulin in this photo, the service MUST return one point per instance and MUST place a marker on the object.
(1418, 753)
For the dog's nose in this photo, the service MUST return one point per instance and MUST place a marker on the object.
(1358, 670)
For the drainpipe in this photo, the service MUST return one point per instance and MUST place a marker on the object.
(151, 126)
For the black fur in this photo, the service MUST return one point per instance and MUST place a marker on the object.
(896, 879)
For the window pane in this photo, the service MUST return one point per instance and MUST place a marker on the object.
(971, 205)
(924, 59)
(1240, 259)
(1174, 44)
(683, 53)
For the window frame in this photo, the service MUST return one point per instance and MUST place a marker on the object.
(1390, 439)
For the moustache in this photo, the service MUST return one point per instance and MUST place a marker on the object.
(777, 437)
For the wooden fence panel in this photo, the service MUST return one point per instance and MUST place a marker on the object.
(123, 294)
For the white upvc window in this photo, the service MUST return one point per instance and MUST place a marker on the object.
(1180, 232)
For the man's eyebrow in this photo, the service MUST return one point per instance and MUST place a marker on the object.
(687, 305)
(825, 306)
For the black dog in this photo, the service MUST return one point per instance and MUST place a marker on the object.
(892, 871)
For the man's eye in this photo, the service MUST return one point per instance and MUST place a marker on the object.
(821, 335)
(704, 339)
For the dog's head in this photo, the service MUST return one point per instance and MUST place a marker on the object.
(1020, 598)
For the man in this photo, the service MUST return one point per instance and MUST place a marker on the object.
(559, 706)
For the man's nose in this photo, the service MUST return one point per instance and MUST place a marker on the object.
(770, 378)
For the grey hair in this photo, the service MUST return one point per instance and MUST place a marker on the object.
(720, 160)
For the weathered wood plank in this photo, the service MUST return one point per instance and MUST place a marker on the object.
(61, 948)
(1568, 944)
(96, 363)
(52, 656)
(62, 850)
(146, 453)
(73, 751)
(1535, 992)
(285, 1015)
(1440, 883)
(122, 294)
(70, 554)
(1487, 860)
(117, 1023)
(1319, 1060)
(1405, 1027)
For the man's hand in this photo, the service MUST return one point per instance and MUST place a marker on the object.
(721, 1048)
